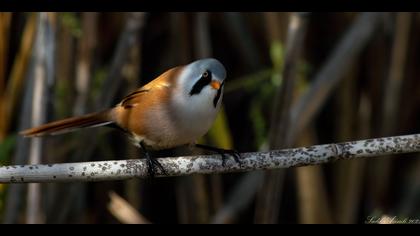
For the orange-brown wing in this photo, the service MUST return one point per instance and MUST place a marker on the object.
(133, 98)
(164, 81)
(136, 110)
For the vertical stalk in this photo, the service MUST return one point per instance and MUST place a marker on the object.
(268, 202)
(43, 53)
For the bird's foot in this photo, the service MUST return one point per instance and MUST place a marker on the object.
(223, 152)
(152, 166)
(152, 163)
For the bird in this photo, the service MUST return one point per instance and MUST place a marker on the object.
(174, 109)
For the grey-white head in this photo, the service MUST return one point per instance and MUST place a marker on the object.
(199, 94)
(202, 82)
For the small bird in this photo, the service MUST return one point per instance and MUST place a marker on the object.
(175, 109)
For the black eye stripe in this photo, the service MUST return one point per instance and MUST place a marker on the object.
(201, 83)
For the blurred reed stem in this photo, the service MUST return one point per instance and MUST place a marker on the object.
(349, 174)
(57, 194)
(5, 19)
(22, 70)
(269, 198)
(124, 211)
(11, 96)
(85, 55)
(324, 81)
(313, 204)
(44, 76)
(243, 40)
(391, 109)
(130, 35)
(332, 71)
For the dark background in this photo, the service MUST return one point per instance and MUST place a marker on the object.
(95, 59)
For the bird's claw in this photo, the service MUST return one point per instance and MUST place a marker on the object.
(235, 154)
(152, 165)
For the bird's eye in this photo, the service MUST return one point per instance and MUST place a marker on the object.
(201, 83)
(206, 74)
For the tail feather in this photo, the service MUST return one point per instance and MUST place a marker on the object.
(69, 124)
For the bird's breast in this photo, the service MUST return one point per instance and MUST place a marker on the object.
(194, 117)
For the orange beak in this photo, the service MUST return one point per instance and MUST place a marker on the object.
(215, 84)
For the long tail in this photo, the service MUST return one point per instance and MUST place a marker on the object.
(70, 124)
